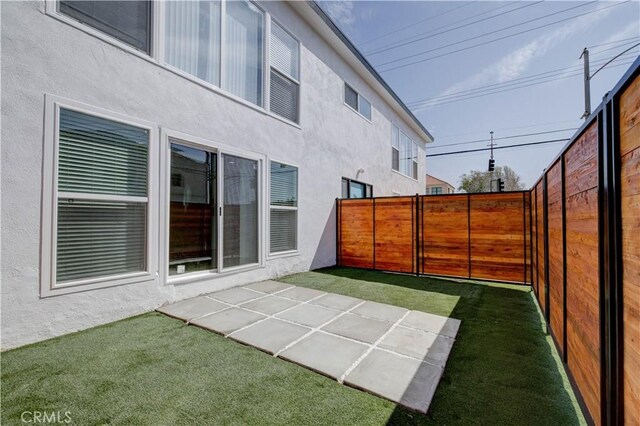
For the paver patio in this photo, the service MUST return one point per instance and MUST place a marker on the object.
(382, 349)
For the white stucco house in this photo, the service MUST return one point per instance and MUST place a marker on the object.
(154, 151)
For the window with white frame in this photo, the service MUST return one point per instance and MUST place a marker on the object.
(102, 198)
(127, 21)
(404, 153)
(357, 102)
(284, 79)
(191, 42)
(283, 209)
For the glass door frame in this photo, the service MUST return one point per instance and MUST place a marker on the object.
(168, 137)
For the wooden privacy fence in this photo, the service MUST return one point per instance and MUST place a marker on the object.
(586, 255)
(575, 237)
(479, 236)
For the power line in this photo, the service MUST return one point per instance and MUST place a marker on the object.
(510, 128)
(425, 20)
(612, 42)
(613, 59)
(499, 147)
(478, 36)
(612, 48)
(545, 74)
(464, 98)
(504, 137)
(486, 42)
(430, 35)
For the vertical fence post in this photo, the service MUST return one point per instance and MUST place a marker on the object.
(610, 262)
(545, 227)
(564, 258)
(417, 235)
(531, 236)
(373, 232)
(524, 236)
(338, 239)
(469, 232)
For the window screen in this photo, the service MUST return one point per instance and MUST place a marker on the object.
(128, 21)
(284, 97)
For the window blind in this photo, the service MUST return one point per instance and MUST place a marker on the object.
(99, 238)
(128, 21)
(100, 156)
(283, 230)
(284, 97)
(283, 207)
(284, 52)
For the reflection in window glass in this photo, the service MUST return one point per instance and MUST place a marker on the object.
(192, 210)
(240, 232)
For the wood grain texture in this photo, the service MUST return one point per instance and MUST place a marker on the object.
(541, 253)
(630, 212)
(556, 266)
(527, 236)
(356, 233)
(534, 239)
(445, 235)
(394, 234)
(497, 236)
(583, 299)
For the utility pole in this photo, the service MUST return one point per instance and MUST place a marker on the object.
(587, 84)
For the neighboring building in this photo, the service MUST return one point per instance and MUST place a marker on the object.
(437, 186)
(156, 151)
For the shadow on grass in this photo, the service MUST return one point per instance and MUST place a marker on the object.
(503, 368)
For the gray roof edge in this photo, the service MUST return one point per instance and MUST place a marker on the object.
(338, 32)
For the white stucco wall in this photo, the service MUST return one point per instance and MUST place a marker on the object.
(42, 55)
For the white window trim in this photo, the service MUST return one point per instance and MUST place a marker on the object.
(48, 286)
(344, 101)
(156, 57)
(166, 135)
(400, 159)
(286, 253)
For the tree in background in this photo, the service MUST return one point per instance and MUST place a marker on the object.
(477, 181)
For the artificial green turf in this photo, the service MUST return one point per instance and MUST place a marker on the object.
(152, 369)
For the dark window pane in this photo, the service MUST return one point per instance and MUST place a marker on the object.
(193, 237)
(128, 21)
(395, 159)
(350, 97)
(284, 97)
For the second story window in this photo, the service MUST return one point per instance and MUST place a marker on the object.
(192, 38)
(243, 51)
(127, 21)
(404, 153)
(357, 102)
(284, 79)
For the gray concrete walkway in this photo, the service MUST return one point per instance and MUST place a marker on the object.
(382, 349)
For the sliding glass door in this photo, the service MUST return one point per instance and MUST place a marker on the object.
(208, 232)
(240, 211)
(193, 236)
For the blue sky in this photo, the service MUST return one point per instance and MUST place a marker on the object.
(460, 97)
